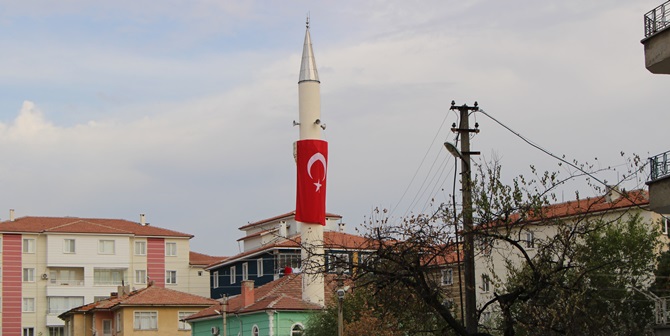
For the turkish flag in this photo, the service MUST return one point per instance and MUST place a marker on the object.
(312, 160)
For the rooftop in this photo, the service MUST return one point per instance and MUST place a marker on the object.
(86, 225)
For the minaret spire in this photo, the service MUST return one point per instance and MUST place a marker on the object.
(308, 65)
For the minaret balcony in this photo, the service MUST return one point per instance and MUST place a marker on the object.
(657, 39)
(659, 183)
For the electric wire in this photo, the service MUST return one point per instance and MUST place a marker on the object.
(419, 168)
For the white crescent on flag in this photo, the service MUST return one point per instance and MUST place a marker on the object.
(317, 157)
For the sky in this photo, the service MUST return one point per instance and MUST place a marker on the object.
(183, 110)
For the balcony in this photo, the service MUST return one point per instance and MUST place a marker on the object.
(65, 276)
(659, 183)
(657, 39)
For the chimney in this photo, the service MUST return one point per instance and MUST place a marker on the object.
(340, 227)
(123, 290)
(11, 215)
(142, 220)
(282, 229)
(247, 292)
(612, 193)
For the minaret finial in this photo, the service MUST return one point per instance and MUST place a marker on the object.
(307, 22)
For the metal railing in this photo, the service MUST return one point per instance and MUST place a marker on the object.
(659, 166)
(657, 19)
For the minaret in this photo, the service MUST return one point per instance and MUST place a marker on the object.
(311, 158)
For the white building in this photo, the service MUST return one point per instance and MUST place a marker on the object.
(51, 264)
(493, 255)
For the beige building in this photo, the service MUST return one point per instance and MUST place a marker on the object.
(51, 264)
(151, 310)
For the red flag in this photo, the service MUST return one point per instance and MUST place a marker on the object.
(312, 160)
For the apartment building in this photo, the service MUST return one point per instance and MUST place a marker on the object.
(52, 264)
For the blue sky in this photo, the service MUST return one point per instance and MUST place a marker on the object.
(182, 109)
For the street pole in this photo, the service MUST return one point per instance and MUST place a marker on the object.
(340, 299)
(468, 239)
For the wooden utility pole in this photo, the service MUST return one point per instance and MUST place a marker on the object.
(464, 131)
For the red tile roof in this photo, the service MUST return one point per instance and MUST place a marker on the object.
(331, 239)
(200, 259)
(590, 205)
(86, 225)
(286, 215)
(284, 293)
(148, 296)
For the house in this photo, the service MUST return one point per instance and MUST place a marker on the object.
(272, 246)
(197, 264)
(151, 310)
(51, 264)
(492, 255)
(275, 308)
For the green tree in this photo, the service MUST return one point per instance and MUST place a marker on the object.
(592, 296)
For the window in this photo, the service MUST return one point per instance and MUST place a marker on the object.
(68, 245)
(66, 277)
(140, 276)
(337, 261)
(485, 245)
(140, 248)
(28, 305)
(28, 275)
(61, 304)
(448, 276)
(486, 283)
(259, 267)
(233, 276)
(297, 330)
(106, 327)
(146, 320)
(29, 331)
(171, 277)
(60, 331)
(245, 271)
(28, 245)
(108, 276)
(0, 245)
(106, 247)
(171, 249)
(287, 260)
(119, 321)
(183, 325)
(530, 240)
(215, 280)
(664, 225)
(254, 331)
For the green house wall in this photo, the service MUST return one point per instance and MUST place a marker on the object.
(283, 321)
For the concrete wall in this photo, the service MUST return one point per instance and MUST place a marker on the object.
(657, 52)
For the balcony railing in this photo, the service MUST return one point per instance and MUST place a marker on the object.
(659, 166)
(657, 19)
(57, 282)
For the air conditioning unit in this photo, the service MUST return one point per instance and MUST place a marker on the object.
(45, 276)
(215, 330)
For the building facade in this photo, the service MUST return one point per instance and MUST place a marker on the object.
(151, 310)
(493, 256)
(275, 308)
(51, 264)
(272, 248)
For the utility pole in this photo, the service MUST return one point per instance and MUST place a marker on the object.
(464, 131)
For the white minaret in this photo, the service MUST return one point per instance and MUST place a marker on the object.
(309, 107)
